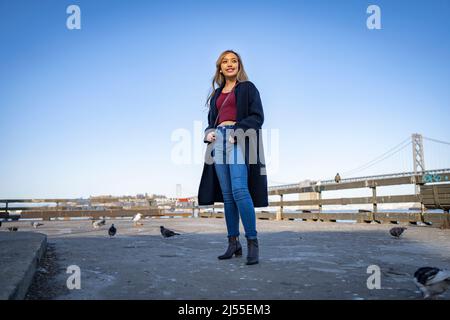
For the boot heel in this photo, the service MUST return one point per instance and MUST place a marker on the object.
(234, 248)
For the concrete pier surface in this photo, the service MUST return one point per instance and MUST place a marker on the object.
(20, 253)
(298, 260)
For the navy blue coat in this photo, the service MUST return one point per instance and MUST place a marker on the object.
(250, 115)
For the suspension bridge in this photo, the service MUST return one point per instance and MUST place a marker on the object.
(411, 147)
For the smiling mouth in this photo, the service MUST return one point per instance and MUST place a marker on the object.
(229, 70)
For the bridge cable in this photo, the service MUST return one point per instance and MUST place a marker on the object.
(435, 140)
(407, 145)
(381, 157)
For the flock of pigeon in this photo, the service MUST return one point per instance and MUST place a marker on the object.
(96, 224)
(166, 233)
(15, 228)
(430, 281)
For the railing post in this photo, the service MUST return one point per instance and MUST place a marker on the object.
(320, 202)
(280, 210)
(422, 212)
(374, 202)
(446, 220)
(374, 199)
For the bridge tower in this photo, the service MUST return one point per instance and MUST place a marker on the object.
(418, 156)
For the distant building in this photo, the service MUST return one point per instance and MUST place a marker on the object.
(185, 202)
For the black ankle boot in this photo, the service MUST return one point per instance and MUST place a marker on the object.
(234, 247)
(253, 251)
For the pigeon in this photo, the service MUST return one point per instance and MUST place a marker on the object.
(36, 224)
(337, 178)
(166, 233)
(397, 231)
(98, 223)
(112, 231)
(432, 281)
(136, 219)
(13, 229)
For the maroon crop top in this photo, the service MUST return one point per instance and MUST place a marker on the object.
(228, 110)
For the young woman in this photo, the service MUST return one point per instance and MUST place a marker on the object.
(237, 176)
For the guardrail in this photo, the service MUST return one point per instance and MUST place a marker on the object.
(52, 213)
(437, 220)
(434, 194)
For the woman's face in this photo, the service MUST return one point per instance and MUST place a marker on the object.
(229, 65)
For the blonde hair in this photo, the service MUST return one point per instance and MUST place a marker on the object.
(219, 78)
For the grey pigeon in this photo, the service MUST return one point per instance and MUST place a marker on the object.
(432, 281)
(337, 178)
(13, 229)
(397, 231)
(36, 224)
(112, 231)
(98, 223)
(166, 233)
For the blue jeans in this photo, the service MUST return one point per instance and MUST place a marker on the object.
(232, 174)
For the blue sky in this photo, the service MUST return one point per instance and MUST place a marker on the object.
(92, 111)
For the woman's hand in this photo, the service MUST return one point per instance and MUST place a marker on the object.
(231, 138)
(211, 136)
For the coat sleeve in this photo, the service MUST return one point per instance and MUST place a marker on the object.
(255, 118)
(209, 128)
(211, 121)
